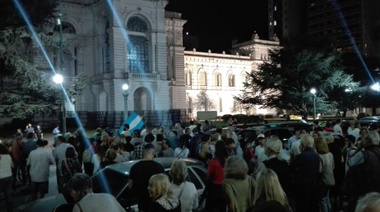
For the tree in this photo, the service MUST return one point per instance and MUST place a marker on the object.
(26, 89)
(204, 102)
(286, 80)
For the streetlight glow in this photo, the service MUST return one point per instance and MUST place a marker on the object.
(125, 87)
(376, 87)
(58, 79)
(313, 91)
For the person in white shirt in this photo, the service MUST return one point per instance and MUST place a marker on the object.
(295, 150)
(260, 150)
(39, 161)
(354, 130)
(295, 137)
(6, 165)
(185, 191)
(59, 154)
(337, 128)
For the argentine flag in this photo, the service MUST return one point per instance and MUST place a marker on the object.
(135, 123)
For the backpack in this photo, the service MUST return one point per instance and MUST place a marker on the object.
(86, 156)
(364, 177)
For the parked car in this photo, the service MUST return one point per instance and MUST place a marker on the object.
(113, 179)
(117, 176)
(291, 125)
(369, 120)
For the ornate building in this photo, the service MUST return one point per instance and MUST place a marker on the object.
(139, 43)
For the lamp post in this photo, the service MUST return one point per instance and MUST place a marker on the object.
(313, 91)
(58, 79)
(125, 95)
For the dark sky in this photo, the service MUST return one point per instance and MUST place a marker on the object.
(217, 22)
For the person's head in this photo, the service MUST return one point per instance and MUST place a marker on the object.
(236, 168)
(297, 131)
(184, 140)
(30, 135)
(148, 151)
(80, 185)
(70, 152)
(221, 152)
(61, 139)
(306, 142)
(111, 154)
(338, 121)
(273, 146)
(316, 135)
(98, 130)
(230, 143)
(126, 126)
(149, 138)
(372, 139)
(205, 137)
(321, 146)
(187, 130)
(41, 143)
(363, 132)
(261, 139)
(136, 134)
(350, 140)
(178, 172)
(268, 187)
(369, 203)
(128, 138)
(159, 186)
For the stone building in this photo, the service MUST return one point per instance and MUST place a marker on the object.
(139, 43)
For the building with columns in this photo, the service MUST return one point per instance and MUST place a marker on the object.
(139, 43)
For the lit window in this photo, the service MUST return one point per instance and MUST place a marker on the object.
(275, 7)
(275, 23)
(231, 80)
(188, 78)
(138, 46)
(202, 79)
(218, 80)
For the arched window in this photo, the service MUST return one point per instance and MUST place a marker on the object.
(202, 79)
(188, 78)
(107, 50)
(231, 80)
(218, 80)
(138, 45)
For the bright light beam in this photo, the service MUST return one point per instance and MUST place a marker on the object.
(36, 38)
(34, 34)
(351, 39)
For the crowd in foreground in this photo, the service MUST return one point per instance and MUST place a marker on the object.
(313, 171)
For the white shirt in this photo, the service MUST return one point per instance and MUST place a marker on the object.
(260, 153)
(354, 132)
(189, 196)
(178, 153)
(5, 166)
(40, 160)
(96, 162)
(98, 203)
(338, 129)
(59, 154)
(291, 140)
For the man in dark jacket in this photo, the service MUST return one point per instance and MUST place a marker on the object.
(306, 168)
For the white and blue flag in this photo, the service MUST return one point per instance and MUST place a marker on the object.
(135, 123)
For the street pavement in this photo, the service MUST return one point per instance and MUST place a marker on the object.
(21, 195)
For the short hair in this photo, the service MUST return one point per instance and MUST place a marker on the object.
(128, 138)
(149, 138)
(41, 142)
(148, 149)
(236, 168)
(159, 137)
(351, 138)
(159, 185)
(70, 152)
(30, 135)
(369, 202)
(307, 141)
(205, 137)
(274, 144)
(178, 172)
(111, 154)
(321, 146)
(80, 183)
(373, 138)
(268, 187)
(62, 139)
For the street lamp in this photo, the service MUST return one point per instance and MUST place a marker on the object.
(125, 95)
(313, 91)
(58, 79)
(376, 86)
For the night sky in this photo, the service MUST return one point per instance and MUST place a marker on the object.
(217, 22)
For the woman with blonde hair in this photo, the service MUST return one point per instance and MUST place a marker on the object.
(185, 191)
(162, 195)
(327, 176)
(268, 188)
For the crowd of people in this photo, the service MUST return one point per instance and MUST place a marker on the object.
(313, 171)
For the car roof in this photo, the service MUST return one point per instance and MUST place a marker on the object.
(166, 162)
